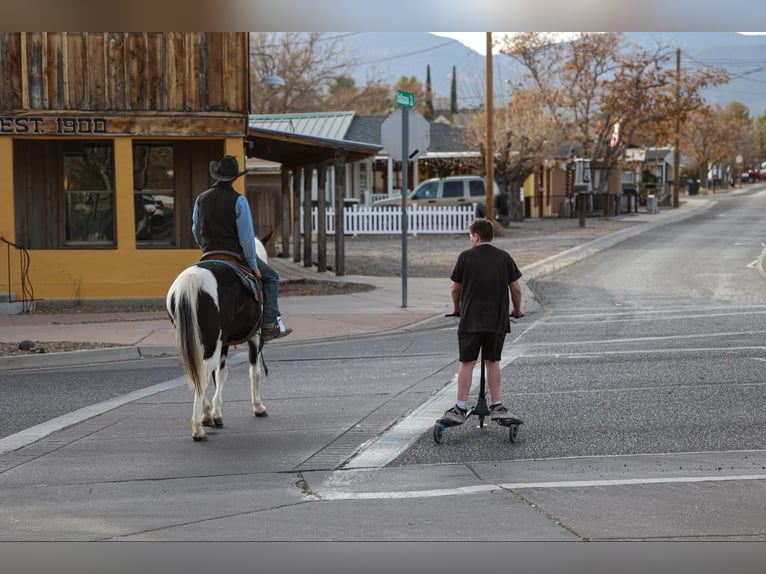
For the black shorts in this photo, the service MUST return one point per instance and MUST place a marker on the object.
(470, 344)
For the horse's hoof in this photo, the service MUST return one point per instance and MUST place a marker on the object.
(207, 423)
(199, 438)
(261, 414)
(218, 421)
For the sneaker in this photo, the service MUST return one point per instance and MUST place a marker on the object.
(271, 331)
(455, 415)
(499, 412)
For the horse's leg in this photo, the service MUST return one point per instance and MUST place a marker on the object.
(206, 407)
(198, 431)
(259, 409)
(221, 374)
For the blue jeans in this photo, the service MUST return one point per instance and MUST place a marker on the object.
(270, 292)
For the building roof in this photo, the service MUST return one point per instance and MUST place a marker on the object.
(301, 139)
(444, 139)
(366, 129)
(326, 125)
(304, 139)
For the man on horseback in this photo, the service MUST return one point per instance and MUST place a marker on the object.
(223, 228)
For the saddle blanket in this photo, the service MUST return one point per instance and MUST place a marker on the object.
(247, 280)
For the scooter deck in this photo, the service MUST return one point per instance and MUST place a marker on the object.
(502, 422)
(510, 421)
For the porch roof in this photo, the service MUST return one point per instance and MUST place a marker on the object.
(295, 150)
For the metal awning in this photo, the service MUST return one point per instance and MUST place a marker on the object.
(296, 150)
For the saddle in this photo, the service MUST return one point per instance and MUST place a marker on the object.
(231, 261)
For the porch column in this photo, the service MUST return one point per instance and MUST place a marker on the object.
(321, 218)
(285, 207)
(308, 176)
(296, 215)
(340, 184)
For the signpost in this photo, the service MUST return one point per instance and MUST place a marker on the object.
(397, 144)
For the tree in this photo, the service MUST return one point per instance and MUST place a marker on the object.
(523, 138)
(453, 95)
(343, 95)
(428, 112)
(596, 86)
(715, 136)
(759, 139)
(309, 63)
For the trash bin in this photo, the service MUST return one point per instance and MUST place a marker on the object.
(694, 187)
(651, 203)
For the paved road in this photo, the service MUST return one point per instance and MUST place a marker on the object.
(642, 408)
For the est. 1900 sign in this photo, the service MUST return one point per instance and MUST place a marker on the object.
(56, 125)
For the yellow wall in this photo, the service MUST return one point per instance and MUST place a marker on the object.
(6, 200)
(124, 272)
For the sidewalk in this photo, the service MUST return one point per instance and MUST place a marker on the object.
(142, 334)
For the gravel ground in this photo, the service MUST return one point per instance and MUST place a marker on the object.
(427, 256)
(434, 255)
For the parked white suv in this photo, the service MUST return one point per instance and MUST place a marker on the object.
(454, 190)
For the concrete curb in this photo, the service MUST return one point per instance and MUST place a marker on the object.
(87, 357)
(530, 272)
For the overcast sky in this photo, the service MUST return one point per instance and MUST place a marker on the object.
(478, 40)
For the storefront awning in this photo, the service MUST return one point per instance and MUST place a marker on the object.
(296, 150)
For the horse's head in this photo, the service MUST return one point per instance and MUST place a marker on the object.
(260, 247)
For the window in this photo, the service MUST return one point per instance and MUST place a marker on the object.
(154, 194)
(453, 189)
(476, 188)
(66, 197)
(88, 194)
(427, 191)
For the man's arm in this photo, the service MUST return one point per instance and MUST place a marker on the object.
(516, 299)
(245, 232)
(455, 291)
(195, 226)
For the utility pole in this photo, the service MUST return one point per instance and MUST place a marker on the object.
(676, 152)
(489, 185)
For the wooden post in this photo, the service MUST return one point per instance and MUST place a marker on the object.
(489, 180)
(285, 203)
(296, 215)
(321, 219)
(676, 152)
(308, 173)
(340, 183)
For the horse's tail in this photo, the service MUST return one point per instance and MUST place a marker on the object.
(182, 306)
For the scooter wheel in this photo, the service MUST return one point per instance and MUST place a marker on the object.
(438, 432)
(513, 430)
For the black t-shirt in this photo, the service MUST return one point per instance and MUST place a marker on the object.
(485, 273)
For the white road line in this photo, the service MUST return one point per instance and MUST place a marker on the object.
(479, 488)
(37, 432)
(383, 449)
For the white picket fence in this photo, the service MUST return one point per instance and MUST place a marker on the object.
(386, 220)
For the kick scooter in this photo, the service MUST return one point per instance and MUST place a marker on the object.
(481, 410)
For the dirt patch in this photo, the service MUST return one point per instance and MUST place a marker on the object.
(427, 256)
(305, 287)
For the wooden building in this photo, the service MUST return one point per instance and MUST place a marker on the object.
(105, 142)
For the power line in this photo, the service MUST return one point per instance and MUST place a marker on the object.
(406, 54)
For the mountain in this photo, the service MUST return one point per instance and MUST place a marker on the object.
(387, 56)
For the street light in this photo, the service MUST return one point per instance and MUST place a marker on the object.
(270, 79)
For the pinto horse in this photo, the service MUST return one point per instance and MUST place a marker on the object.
(212, 308)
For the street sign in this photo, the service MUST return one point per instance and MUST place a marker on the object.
(405, 99)
(419, 134)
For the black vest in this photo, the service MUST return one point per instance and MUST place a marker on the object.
(218, 219)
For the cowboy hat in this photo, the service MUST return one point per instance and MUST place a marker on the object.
(227, 169)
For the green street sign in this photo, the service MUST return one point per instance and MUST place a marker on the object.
(405, 99)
